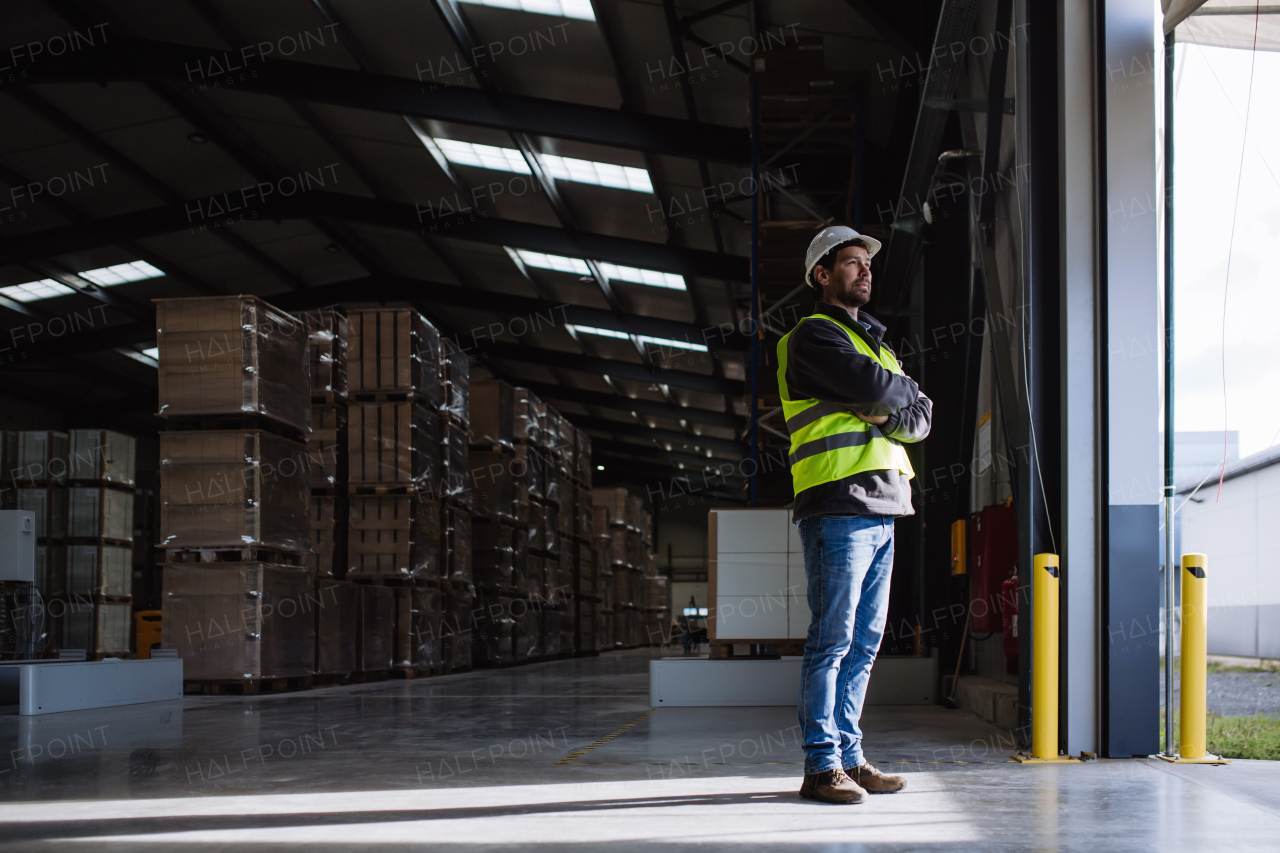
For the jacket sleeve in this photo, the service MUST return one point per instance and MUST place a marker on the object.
(824, 365)
(912, 423)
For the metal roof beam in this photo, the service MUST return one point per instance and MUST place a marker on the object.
(348, 208)
(133, 59)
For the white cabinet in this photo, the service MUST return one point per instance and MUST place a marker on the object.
(756, 579)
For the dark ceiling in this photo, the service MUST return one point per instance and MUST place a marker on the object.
(284, 149)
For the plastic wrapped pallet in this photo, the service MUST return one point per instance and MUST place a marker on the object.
(493, 556)
(584, 581)
(456, 376)
(550, 629)
(337, 612)
(103, 454)
(39, 456)
(526, 642)
(454, 482)
(492, 412)
(327, 351)
(327, 557)
(549, 428)
(51, 507)
(583, 457)
(583, 513)
(586, 619)
(525, 424)
(552, 484)
(456, 629)
(530, 468)
(491, 631)
(565, 570)
(564, 522)
(532, 578)
(100, 512)
(614, 500)
(100, 629)
(492, 483)
(657, 593)
(599, 518)
(393, 443)
(232, 355)
(233, 488)
(565, 616)
(418, 611)
(377, 631)
(327, 446)
(100, 570)
(568, 449)
(394, 536)
(458, 545)
(618, 546)
(551, 529)
(51, 569)
(394, 350)
(239, 620)
(635, 512)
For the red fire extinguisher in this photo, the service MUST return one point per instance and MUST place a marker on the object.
(1009, 614)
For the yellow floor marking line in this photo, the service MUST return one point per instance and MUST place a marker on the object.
(581, 752)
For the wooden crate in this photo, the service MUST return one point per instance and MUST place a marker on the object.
(232, 355)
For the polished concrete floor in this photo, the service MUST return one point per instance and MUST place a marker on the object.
(568, 755)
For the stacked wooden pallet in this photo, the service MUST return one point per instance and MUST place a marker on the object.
(79, 485)
(238, 586)
(634, 610)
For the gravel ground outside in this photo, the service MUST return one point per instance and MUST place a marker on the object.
(1239, 693)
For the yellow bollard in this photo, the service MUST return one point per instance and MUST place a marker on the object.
(1195, 642)
(1044, 663)
(1044, 657)
(1193, 695)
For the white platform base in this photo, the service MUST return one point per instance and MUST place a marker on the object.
(48, 687)
(699, 682)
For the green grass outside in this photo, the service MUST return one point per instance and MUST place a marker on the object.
(1256, 736)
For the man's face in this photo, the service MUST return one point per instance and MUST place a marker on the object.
(849, 282)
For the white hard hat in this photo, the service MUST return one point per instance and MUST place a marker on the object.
(828, 239)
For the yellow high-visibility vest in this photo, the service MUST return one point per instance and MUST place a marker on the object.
(828, 442)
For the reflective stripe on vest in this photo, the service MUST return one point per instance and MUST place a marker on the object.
(828, 442)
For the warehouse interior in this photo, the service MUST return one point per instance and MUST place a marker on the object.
(439, 337)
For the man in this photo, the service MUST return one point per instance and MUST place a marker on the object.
(849, 408)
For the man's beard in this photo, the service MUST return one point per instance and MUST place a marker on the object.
(854, 296)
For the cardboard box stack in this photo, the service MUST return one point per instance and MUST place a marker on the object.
(79, 485)
(534, 565)
(99, 557)
(337, 601)
(398, 488)
(238, 581)
(623, 530)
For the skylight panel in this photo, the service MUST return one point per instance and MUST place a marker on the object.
(559, 263)
(580, 9)
(152, 352)
(653, 278)
(644, 339)
(35, 290)
(604, 333)
(560, 168)
(48, 288)
(120, 273)
(668, 342)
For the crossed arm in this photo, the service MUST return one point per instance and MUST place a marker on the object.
(824, 365)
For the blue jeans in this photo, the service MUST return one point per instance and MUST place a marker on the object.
(848, 560)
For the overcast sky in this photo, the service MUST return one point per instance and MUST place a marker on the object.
(1211, 93)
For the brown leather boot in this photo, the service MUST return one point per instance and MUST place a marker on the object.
(876, 782)
(831, 786)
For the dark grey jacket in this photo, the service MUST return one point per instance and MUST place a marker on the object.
(824, 365)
